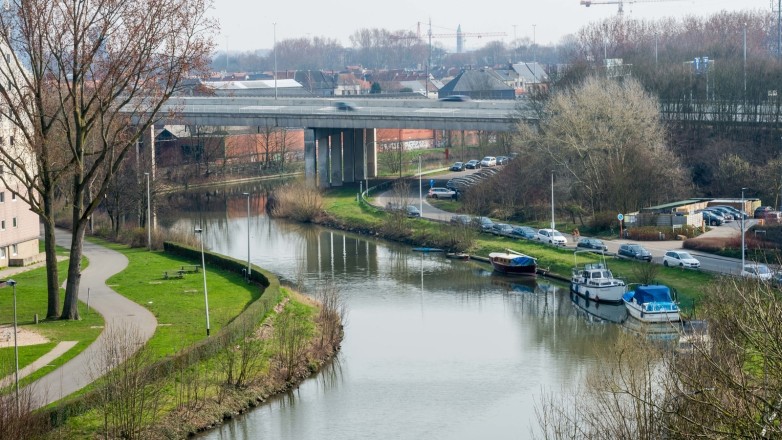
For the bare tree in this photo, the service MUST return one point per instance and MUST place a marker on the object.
(82, 82)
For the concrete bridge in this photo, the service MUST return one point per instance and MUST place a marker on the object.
(340, 144)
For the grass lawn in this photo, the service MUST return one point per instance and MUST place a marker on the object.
(178, 304)
(31, 299)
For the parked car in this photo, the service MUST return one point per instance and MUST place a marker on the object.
(760, 210)
(551, 236)
(489, 161)
(344, 106)
(712, 218)
(635, 251)
(757, 271)
(725, 213)
(525, 232)
(772, 217)
(460, 219)
(458, 166)
(455, 98)
(501, 229)
(472, 164)
(737, 213)
(441, 193)
(483, 223)
(681, 259)
(412, 211)
(502, 160)
(592, 243)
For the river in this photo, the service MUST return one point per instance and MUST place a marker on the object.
(434, 348)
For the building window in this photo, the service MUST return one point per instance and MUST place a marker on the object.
(2, 196)
(13, 197)
(2, 225)
(2, 253)
(11, 140)
(14, 250)
(14, 221)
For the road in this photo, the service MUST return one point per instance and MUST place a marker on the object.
(709, 262)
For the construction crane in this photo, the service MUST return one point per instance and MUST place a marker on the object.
(620, 3)
(458, 34)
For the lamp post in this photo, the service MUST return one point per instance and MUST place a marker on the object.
(200, 231)
(12, 283)
(420, 188)
(149, 216)
(742, 230)
(275, 59)
(552, 199)
(248, 234)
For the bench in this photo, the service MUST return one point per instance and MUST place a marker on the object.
(174, 274)
(191, 268)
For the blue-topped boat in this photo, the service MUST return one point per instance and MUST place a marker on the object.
(651, 303)
(514, 263)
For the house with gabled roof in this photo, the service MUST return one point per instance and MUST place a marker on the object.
(481, 83)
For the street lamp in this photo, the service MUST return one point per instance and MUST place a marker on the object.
(12, 283)
(742, 230)
(420, 188)
(200, 231)
(552, 200)
(149, 216)
(248, 234)
(275, 59)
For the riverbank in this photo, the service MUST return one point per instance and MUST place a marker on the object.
(180, 383)
(344, 212)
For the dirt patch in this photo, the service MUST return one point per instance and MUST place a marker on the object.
(23, 337)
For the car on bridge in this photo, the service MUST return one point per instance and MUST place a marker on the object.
(344, 106)
(455, 98)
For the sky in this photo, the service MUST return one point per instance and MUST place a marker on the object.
(247, 25)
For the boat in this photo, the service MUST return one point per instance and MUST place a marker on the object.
(457, 255)
(651, 303)
(595, 282)
(427, 249)
(513, 263)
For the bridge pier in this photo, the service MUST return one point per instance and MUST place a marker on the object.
(336, 157)
(370, 146)
(348, 155)
(310, 158)
(322, 140)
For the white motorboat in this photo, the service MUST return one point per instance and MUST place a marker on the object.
(595, 282)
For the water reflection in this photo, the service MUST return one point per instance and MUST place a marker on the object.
(434, 348)
(595, 312)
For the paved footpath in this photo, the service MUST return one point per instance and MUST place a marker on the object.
(119, 313)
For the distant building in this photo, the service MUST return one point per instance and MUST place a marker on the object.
(478, 84)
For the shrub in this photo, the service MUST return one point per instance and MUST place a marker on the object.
(298, 201)
(603, 221)
(655, 233)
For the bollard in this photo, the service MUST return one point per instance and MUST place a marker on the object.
(35, 318)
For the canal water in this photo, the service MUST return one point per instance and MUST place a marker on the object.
(434, 348)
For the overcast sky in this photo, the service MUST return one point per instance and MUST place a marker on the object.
(247, 25)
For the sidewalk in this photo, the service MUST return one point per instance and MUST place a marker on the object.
(119, 313)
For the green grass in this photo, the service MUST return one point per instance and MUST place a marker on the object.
(178, 304)
(31, 300)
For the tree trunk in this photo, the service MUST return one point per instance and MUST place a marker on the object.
(52, 273)
(70, 308)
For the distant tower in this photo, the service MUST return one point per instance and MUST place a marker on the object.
(459, 40)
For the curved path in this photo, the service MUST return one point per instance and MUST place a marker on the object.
(119, 314)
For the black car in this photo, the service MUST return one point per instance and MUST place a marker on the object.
(412, 211)
(344, 106)
(502, 160)
(458, 166)
(455, 98)
(635, 251)
(592, 243)
(473, 164)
